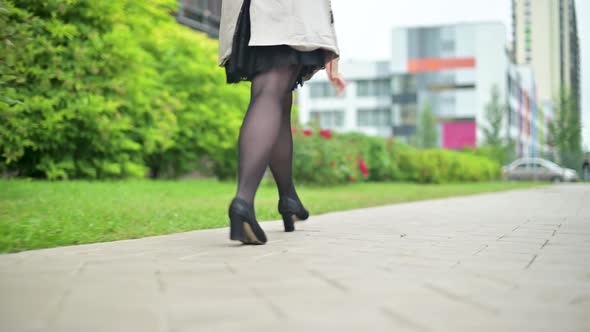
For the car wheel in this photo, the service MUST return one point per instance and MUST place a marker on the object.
(557, 179)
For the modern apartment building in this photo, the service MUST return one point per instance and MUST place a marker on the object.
(453, 68)
(546, 37)
(202, 15)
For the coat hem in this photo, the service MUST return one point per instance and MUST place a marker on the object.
(334, 52)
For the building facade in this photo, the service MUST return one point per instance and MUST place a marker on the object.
(452, 68)
(201, 15)
(546, 37)
(365, 106)
(527, 120)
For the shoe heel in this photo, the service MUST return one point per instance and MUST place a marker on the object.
(243, 225)
(236, 229)
(289, 222)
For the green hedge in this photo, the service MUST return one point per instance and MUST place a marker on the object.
(324, 161)
(501, 154)
(111, 89)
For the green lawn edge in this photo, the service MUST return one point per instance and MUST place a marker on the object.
(42, 214)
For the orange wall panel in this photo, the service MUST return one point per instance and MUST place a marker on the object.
(436, 64)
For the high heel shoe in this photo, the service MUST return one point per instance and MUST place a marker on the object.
(243, 224)
(292, 210)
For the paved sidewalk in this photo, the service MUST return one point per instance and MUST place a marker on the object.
(514, 261)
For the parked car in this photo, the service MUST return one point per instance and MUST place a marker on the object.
(537, 169)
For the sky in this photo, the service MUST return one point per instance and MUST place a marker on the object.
(364, 29)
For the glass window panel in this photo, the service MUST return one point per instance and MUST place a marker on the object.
(322, 90)
(408, 114)
(374, 117)
(328, 118)
(373, 88)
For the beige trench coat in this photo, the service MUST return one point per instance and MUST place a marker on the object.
(305, 25)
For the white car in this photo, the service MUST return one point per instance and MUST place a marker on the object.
(537, 169)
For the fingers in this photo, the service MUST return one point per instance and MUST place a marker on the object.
(340, 84)
(335, 77)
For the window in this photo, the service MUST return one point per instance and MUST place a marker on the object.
(373, 88)
(535, 166)
(322, 90)
(328, 119)
(408, 114)
(408, 98)
(203, 15)
(404, 84)
(374, 117)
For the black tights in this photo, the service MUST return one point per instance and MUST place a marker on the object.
(265, 136)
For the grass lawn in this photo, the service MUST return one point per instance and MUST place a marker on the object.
(38, 214)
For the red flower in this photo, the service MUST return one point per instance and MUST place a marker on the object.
(351, 179)
(363, 167)
(294, 130)
(326, 133)
(307, 132)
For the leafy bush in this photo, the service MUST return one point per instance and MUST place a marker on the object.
(441, 166)
(322, 161)
(376, 153)
(336, 160)
(110, 89)
(499, 153)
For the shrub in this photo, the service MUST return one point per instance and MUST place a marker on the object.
(454, 166)
(323, 161)
(110, 89)
(501, 154)
(330, 161)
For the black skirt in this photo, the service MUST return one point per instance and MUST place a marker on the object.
(245, 62)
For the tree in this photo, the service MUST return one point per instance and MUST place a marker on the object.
(566, 130)
(427, 132)
(494, 115)
(495, 146)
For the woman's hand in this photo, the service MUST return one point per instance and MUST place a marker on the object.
(336, 77)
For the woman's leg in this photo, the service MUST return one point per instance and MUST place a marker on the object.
(261, 127)
(281, 160)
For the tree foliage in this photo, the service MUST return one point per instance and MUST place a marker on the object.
(427, 135)
(495, 146)
(494, 116)
(110, 89)
(566, 130)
